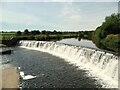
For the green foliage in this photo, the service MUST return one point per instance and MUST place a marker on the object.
(26, 32)
(96, 37)
(112, 42)
(18, 33)
(104, 36)
(43, 32)
(7, 35)
(111, 25)
(35, 32)
(85, 34)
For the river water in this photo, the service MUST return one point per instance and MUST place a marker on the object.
(50, 71)
(42, 70)
(76, 42)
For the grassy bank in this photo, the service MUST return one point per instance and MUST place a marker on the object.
(38, 36)
(112, 42)
(7, 35)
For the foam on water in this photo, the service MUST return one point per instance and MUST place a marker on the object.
(26, 77)
(103, 66)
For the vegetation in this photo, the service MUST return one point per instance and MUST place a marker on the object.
(85, 35)
(112, 42)
(108, 34)
(37, 35)
(7, 35)
(19, 33)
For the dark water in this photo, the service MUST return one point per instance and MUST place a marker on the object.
(51, 71)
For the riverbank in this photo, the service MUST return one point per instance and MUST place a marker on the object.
(10, 78)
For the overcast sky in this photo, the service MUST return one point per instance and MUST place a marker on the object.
(54, 15)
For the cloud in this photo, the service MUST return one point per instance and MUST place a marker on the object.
(71, 11)
(24, 20)
(64, 16)
(18, 18)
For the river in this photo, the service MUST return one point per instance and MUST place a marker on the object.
(76, 42)
(43, 70)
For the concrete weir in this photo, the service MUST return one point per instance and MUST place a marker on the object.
(99, 63)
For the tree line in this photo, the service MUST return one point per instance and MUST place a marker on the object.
(37, 32)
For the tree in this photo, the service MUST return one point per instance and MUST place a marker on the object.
(111, 25)
(35, 32)
(54, 32)
(26, 32)
(18, 33)
(43, 32)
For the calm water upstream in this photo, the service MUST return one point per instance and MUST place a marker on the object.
(76, 42)
(42, 70)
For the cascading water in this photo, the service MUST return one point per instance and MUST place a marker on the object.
(98, 63)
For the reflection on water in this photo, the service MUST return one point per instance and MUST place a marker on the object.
(76, 42)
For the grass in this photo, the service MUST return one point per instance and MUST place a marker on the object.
(7, 35)
(10, 35)
(112, 42)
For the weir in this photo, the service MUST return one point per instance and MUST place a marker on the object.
(100, 64)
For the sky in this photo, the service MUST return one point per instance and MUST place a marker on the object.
(54, 15)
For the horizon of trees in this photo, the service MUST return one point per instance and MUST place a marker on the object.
(36, 32)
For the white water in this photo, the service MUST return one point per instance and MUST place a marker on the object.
(26, 77)
(103, 66)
